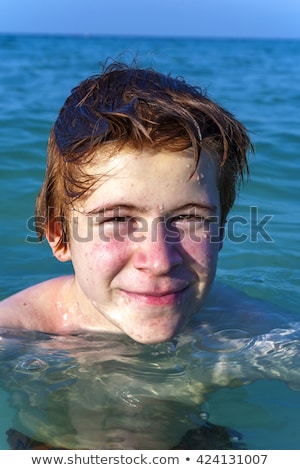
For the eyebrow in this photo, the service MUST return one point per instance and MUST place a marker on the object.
(114, 207)
(143, 210)
(204, 205)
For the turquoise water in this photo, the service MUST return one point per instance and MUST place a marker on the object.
(259, 82)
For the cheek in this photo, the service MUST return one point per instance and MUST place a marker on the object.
(204, 253)
(107, 257)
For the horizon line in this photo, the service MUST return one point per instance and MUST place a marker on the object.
(146, 36)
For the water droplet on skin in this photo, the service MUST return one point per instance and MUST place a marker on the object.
(32, 364)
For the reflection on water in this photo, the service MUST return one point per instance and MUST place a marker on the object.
(106, 391)
(229, 340)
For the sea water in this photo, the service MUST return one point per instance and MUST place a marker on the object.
(258, 80)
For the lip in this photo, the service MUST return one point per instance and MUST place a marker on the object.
(157, 298)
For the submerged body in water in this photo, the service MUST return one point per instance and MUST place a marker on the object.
(99, 391)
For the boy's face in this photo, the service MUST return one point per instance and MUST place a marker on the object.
(145, 242)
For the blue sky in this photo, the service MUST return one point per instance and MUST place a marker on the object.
(208, 18)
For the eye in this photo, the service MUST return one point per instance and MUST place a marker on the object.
(191, 217)
(118, 219)
(100, 219)
(123, 221)
(126, 222)
(187, 218)
(190, 222)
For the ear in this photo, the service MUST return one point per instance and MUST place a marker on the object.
(60, 249)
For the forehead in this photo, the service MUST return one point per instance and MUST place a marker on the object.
(153, 177)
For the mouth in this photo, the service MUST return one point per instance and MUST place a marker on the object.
(169, 297)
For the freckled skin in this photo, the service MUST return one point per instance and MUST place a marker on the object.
(143, 257)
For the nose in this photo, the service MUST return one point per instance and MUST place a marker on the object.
(155, 252)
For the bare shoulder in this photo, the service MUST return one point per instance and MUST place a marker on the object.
(33, 308)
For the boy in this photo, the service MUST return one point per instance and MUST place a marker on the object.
(142, 172)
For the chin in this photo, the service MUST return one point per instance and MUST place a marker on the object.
(155, 336)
